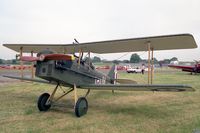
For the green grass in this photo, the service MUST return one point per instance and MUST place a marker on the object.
(152, 112)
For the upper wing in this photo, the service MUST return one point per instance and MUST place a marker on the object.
(168, 42)
(137, 87)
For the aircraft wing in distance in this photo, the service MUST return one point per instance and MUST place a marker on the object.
(181, 67)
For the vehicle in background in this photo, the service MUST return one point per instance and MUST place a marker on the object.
(119, 67)
(134, 70)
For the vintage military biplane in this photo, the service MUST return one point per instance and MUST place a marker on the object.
(58, 64)
(192, 68)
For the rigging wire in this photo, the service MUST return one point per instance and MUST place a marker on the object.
(123, 55)
(129, 53)
(120, 56)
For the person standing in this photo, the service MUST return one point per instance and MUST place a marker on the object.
(143, 68)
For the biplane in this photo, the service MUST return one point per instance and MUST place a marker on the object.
(59, 65)
(192, 68)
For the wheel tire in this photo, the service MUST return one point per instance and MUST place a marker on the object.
(42, 102)
(81, 107)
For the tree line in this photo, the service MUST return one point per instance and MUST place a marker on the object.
(135, 58)
(12, 62)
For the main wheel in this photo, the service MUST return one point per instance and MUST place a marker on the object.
(42, 102)
(81, 107)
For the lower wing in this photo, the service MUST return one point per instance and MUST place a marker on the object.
(139, 87)
(120, 87)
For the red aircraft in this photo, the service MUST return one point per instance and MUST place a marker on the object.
(192, 69)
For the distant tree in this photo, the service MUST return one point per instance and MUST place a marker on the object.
(144, 60)
(96, 59)
(155, 61)
(1, 61)
(166, 61)
(106, 61)
(14, 61)
(116, 61)
(174, 59)
(125, 61)
(135, 58)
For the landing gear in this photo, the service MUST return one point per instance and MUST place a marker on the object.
(80, 104)
(81, 107)
(42, 102)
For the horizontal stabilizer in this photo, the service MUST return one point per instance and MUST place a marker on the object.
(137, 87)
(126, 81)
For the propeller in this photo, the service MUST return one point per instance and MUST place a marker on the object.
(43, 57)
(76, 41)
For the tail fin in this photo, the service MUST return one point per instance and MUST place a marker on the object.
(113, 74)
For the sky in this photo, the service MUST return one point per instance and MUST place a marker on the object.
(60, 21)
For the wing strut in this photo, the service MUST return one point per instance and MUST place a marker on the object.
(150, 63)
(21, 62)
(75, 95)
(152, 66)
(32, 67)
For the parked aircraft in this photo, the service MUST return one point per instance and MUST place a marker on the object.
(191, 68)
(64, 68)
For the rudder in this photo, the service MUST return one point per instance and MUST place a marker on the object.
(113, 74)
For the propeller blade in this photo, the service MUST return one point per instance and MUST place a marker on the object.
(29, 58)
(76, 41)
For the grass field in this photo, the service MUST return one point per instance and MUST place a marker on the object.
(126, 112)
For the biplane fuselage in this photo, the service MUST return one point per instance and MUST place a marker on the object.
(69, 73)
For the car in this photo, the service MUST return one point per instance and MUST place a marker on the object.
(134, 70)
